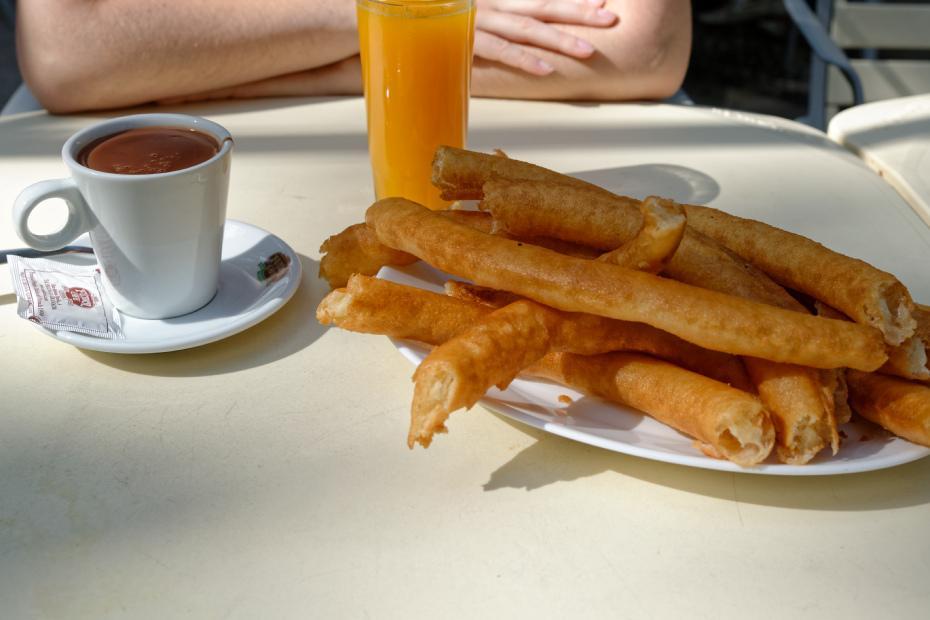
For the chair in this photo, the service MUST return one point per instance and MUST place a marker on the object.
(22, 100)
(883, 32)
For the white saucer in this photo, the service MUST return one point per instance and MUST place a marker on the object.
(241, 301)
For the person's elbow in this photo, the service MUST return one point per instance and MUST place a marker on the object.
(58, 78)
(652, 65)
(51, 87)
(664, 73)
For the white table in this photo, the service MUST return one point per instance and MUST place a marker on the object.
(267, 475)
(893, 138)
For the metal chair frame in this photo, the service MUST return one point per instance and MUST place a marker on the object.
(815, 29)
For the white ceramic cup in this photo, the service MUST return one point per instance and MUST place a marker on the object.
(158, 237)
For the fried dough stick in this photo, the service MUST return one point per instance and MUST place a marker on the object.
(923, 323)
(460, 174)
(801, 400)
(480, 294)
(458, 372)
(797, 397)
(726, 422)
(663, 227)
(866, 294)
(493, 351)
(900, 406)
(588, 334)
(706, 318)
(922, 315)
(584, 215)
(907, 360)
(836, 380)
(802, 407)
(805, 422)
(377, 306)
(357, 250)
(605, 222)
(374, 306)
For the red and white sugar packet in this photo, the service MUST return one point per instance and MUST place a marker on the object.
(59, 296)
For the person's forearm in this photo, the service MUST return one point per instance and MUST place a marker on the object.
(647, 60)
(339, 78)
(644, 56)
(83, 54)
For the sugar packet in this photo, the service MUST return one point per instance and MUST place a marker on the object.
(61, 296)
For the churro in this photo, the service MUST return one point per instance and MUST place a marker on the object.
(656, 242)
(727, 422)
(900, 406)
(460, 174)
(866, 294)
(712, 320)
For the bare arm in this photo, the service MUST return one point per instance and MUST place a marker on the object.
(644, 55)
(82, 54)
(253, 53)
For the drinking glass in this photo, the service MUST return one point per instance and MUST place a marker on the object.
(416, 68)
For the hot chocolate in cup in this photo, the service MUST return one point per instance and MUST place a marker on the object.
(151, 191)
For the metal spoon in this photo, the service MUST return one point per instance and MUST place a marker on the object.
(30, 253)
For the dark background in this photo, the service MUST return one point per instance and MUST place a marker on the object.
(746, 55)
(9, 75)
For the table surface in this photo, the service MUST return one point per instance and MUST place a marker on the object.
(893, 138)
(267, 475)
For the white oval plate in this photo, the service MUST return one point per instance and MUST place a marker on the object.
(240, 302)
(621, 429)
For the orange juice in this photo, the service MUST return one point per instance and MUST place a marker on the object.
(416, 68)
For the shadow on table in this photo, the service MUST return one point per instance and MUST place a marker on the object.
(695, 135)
(35, 135)
(239, 106)
(679, 183)
(555, 459)
(874, 136)
(39, 135)
(522, 142)
(288, 331)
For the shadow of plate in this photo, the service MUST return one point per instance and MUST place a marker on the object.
(679, 183)
(286, 332)
(553, 459)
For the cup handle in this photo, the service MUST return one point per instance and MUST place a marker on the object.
(78, 213)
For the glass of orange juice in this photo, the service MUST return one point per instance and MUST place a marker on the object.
(416, 68)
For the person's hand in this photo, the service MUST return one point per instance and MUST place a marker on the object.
(507, 30)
